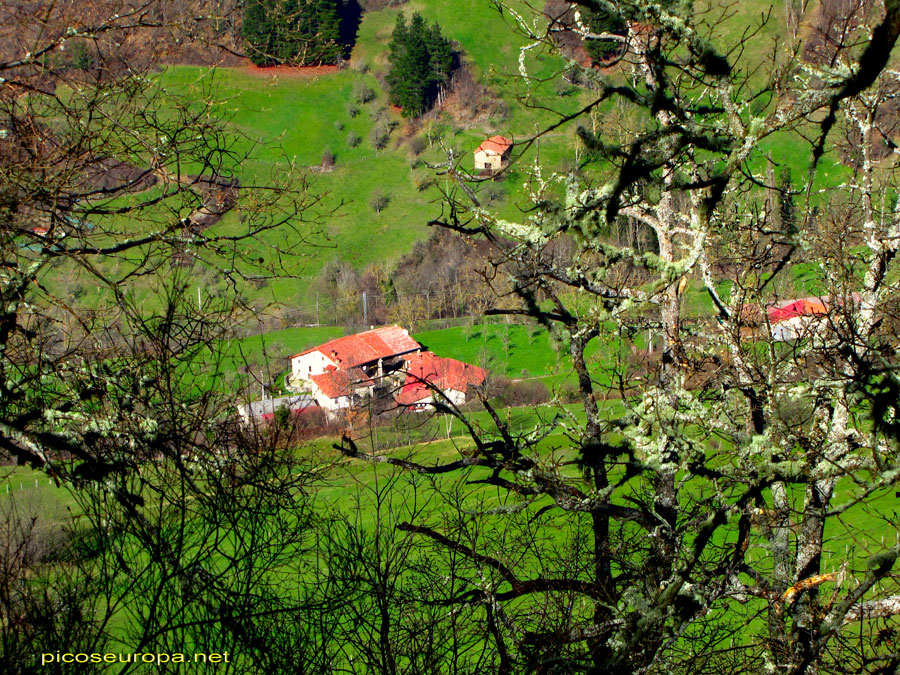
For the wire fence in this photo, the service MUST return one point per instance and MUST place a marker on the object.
(13, 484)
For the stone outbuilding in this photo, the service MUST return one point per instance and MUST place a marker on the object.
(493, 154)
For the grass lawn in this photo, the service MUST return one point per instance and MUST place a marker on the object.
(351, 488)
(290, 121)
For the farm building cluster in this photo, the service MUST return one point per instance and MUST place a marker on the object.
(384, 368)
(797, 317)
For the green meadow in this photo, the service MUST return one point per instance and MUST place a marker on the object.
(283, 123)
(287, 123)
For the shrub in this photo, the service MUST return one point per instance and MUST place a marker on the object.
(563, 88)
(353, 139)
(491, 194)
(352, 110)
(381, 134)
(417, 145)
(363, 93)
(423, 181)
(378, 201)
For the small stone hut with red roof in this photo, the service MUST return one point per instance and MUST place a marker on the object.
(493, 154)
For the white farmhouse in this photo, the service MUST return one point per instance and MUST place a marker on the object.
(350, 367)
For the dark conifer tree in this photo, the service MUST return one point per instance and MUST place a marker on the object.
(302, 32)
(440, 55)
(603, 20)
(323, 31)
(398, 39)
(421, 61)
(258, 31)
(285, 27)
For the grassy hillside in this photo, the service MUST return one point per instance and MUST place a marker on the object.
(290, 119)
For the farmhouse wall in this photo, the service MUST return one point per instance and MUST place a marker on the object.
(312, 363)
(483, 160)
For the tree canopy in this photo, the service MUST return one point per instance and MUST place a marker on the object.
(606, 28)
(296, 32)
(712, 505)
(421, 61)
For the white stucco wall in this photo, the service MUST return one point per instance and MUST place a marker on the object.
(455, 397)
(331, 404)
(307, 365)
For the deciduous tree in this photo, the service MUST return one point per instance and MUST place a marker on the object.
(116, 392)
(714, 517)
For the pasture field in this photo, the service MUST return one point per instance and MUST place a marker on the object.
(288, 122)
(368, 496)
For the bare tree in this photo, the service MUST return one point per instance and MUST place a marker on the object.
(188, 524)
(701, 522)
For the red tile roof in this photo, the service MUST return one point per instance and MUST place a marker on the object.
(424, 369)
(792, 308)
(782, 310)
(339, 383)
(812, 306)
(355, 350)
(495, 144)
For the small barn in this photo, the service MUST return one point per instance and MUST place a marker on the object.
(493, 154)
(428, 374)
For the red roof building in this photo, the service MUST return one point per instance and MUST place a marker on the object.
(794, 318)
(788, 309)
(426, 372)
(344, 369)
(493, 154)
(337, 384)
(365, 348)
(497, 145)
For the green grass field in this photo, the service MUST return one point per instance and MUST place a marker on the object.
(287, 122)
